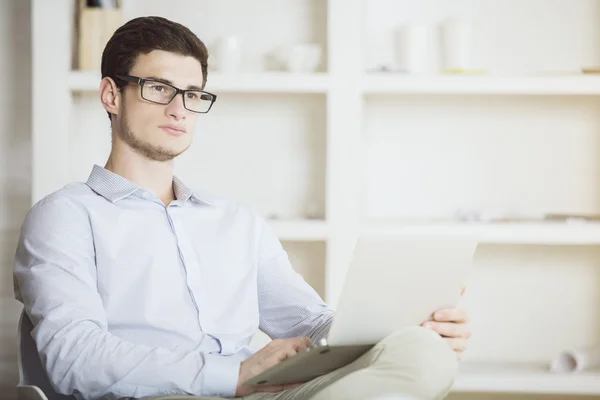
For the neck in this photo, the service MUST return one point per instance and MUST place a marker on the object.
(154, 176)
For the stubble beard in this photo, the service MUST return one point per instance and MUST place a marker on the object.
(143, 148)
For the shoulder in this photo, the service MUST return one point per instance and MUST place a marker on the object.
(62, 206)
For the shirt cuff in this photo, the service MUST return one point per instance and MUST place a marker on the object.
(221, 375)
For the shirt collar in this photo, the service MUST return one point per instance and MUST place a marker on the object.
(184, 193)
(114, 187)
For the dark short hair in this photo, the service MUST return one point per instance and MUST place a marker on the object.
(145, 34)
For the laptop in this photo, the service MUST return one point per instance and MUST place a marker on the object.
(394, 281)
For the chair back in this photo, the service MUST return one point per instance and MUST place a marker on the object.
(32, 375)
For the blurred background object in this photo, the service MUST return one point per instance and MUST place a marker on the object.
(95, 22)
(228, 54)
(457, 44)
(577, 360)
(303, 58)
(415, 45)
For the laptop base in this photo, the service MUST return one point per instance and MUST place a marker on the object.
(309, 364)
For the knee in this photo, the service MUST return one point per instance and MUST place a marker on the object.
(425, 356)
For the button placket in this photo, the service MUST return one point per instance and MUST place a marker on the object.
(190, 267)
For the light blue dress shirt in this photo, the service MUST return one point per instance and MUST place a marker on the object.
(132, 298)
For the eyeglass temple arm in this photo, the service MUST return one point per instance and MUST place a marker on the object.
(129, 78)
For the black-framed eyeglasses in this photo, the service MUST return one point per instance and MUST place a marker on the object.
(159, 92)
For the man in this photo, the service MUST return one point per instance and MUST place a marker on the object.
(138, 286)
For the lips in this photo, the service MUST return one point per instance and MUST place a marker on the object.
(173, 130)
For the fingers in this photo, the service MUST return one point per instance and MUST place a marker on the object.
(285, 353)
(453, 325)
(282, 349)
(301, 343)
(297, 343)
(451, 315)
(450, 329)
(458, 345)
(270, 355)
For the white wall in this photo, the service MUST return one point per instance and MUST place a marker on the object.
(15, 161)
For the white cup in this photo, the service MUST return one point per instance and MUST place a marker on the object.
(228, 54)
(457, 44)
(415, 48)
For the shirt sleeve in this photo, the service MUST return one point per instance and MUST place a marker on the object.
(55, 279)
(289, 306)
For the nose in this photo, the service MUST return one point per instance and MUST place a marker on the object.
(175, 108)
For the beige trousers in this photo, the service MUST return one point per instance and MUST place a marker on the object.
(412, 364)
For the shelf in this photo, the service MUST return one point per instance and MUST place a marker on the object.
(268, 82)
(524, 379)
(502, 233)
(482, 84)
(300, 230)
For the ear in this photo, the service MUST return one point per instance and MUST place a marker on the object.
(110, 95)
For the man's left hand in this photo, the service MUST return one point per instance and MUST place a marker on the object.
(453, 325)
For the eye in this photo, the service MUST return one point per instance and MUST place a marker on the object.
(157, 87)
(192, 95)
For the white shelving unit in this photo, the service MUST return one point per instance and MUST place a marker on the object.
(502, 233)
(574, 84)
(272, 82)
(525, 379)
(371, 84)
(513, 131)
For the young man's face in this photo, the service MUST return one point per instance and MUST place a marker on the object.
(159, 132)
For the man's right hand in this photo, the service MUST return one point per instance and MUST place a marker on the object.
(272, 354)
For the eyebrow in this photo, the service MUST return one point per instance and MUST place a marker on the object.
(168, 82)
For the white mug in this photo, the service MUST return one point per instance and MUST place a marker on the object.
(457, 44)
(228, 54)
(415, 48)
